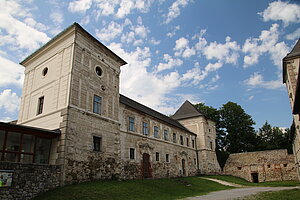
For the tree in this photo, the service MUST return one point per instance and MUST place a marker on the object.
(272, 138)
(238, 127)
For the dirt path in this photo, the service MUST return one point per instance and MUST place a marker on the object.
(237, 193)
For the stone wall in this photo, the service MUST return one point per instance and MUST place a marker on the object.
(274, 165)
(29, 180)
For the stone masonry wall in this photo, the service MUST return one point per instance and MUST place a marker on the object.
(274, 165)
(29, 180)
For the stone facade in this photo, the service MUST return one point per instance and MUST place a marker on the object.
(262, 166)
(97, 140)
(29, 180)
(291, 77)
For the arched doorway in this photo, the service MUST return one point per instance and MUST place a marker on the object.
(146, 166)
(183, 167)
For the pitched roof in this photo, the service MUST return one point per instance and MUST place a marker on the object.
(295, 51)
(140, 107)
(187, 110)
(77, 27)
(293, 54)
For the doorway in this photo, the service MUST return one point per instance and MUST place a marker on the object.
(146, 166)
(183, 167)
(254, 177)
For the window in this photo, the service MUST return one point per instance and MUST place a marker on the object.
(155, 131)
(239, 168)
(174, 137)
(157, 156)
(131, 124)
(98, 71)
(97, 104)
(181, 140)
(131, 153)
(166, 134)
(269, 166)
(145, 128)
(24, 148)
(193, 143)
(40, 105)
(167, 158)
(285, 165)
(187, 142)
(211, 145)
(97, 143)
(45, 71)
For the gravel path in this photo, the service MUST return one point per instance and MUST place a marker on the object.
(237, 193)
(231, 194)
(224, 182)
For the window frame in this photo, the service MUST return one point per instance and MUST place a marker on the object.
(145, 128)
(181, 140)
(157, 156)
(174, 138)
(166, 134)
(131, 121)
(99, 104)
(167, 158)
(20, 152)
(40, 106)
(132, 153)
(97, 148)
(155, 131)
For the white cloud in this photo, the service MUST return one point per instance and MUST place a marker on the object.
(171, 62)
(227, 52)
(80, 5)
(138, 83)
(294, 35)
(257, 80)
(10, 73)
(181, 43)
(172, 33)
(266, 43)
(111, 32)
(174, 9)
(9, 101)
(121, 8)
(250, 98)
(16, 33)
(57, 17)
(284, 11)
(154, 41)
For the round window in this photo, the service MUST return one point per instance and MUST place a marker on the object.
(98, 71)
(45, 71)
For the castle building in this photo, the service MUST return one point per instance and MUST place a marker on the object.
(73, 116)
(291, 77)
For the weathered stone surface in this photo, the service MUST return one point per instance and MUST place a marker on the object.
(29, 180)
(273, 165)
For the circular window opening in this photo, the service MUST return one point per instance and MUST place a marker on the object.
(45, 71)
(98, 71)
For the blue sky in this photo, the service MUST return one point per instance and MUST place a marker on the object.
(198, 50)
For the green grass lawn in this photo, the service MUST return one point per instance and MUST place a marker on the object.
(280, 195)
(153, 189)
(241, 181)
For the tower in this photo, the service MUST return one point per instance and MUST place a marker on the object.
(205, 129)
(72, 84)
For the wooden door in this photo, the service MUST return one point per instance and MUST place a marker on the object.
(146, 166)
(183, 167)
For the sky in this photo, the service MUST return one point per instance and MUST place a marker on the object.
(206, 51)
